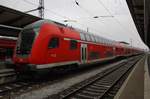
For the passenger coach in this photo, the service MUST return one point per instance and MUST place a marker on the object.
(46, 44)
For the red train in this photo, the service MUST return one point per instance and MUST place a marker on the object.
(7, 45)
(46, 44)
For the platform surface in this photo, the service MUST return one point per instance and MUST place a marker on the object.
(147, 79)
(133, 87)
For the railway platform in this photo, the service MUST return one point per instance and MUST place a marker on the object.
(147, 78)
(137, 85)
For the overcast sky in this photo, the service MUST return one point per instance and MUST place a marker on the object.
(120, 27)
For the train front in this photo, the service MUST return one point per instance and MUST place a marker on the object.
(24, 46)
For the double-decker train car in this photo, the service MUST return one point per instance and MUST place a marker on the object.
(47, 44)
(7, 45)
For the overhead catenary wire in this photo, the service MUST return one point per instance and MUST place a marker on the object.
(57, 14)
(85, 10)
(89, 13)
(30, 3)
(77, 3)
(67, 18)
(120, 24)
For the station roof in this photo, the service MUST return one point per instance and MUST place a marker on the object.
(12, 21)
(141, 18)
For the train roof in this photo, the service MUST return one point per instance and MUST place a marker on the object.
(40, 22)
(96, 38)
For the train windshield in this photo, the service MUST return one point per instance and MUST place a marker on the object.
(27, 37)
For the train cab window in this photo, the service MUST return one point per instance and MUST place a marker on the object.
(73, 44)
(54, 43)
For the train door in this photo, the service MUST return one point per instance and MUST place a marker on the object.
(83, 53)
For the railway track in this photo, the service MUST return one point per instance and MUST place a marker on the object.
(6, 74)
(7, 90)
(10, 90)
(102, 86)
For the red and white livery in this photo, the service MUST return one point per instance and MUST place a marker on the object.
(46, 44)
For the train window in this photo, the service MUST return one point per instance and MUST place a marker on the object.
(96, 39)
(108, 42)
(104, 41)
(94, 55)
(54, 43)
(92, 37)
(82, 36)
(99, 39)
(87, 37)
(73, 44)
